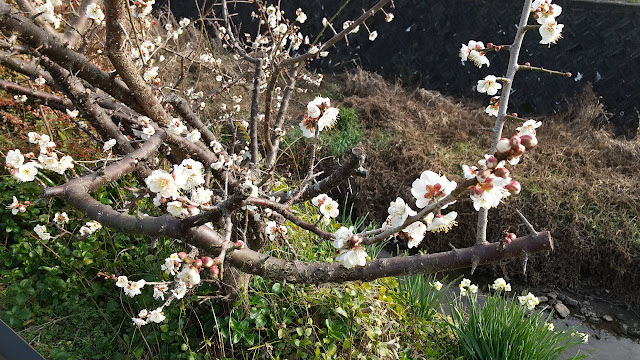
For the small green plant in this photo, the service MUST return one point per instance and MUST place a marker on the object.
(423, 294)
(348, 133)
(501, 328)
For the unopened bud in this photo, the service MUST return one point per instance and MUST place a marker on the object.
(509, 238)
(207, 261)
(27, 202)
(501, 172)
(182, 255)
(503, 145)
(489, 45)
(491, 162)
(197, 263)
(484, 175)
(214, 270)
(475, 190)
(239, 244)
(515, 141)
(529, 141)
(519, 150)
(527, 64)
(513, 187)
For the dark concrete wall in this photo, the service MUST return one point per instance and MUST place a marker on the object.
(420, 47)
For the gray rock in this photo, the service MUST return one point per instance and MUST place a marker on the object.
(621, 317)
(561, 310)
(552, 295)
(597, 335)
(607, 318)
(624, 328)
(579, 317)
(594, 319)
(634, 332)
(584, 310)
(586, 303)
(561, 297)
(570, 301)
(543, 299)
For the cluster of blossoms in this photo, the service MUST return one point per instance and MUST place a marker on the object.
(351, 253)
(529, 300)
(145, 317)
(319, 114)
(42, 232)
(48, 159)
(466, 287)
(17, 207)
(474, 51)
(89, 228)
(328, 207)
(45, 9)
(545, 14)
(274, 230)
(494, 182)
(186, 178)
(500, 285)
(186, 273)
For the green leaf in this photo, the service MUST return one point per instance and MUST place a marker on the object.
(346, 345)
(341, 311)
(276, 288)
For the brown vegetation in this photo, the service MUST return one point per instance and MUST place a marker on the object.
(579, 183)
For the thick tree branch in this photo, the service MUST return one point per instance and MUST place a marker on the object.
(79, 25)
(28, 68)
(320, 272)
(115, 20)
(12, 22)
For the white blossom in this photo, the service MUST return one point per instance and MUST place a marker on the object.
(41, 230)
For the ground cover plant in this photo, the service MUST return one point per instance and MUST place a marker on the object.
(188, 185)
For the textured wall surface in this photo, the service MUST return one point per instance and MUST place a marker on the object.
(601, 42)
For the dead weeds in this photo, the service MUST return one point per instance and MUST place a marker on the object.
(581, 184)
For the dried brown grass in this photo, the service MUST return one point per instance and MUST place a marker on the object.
(580, 183)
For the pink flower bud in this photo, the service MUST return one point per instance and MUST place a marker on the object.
(182, 255)
(214, 271)
(501, 172)
(239, 244)
(509, 238)
(513, 187)
(197, 263)
(491, 162)
(527, 64)
(27, 202)
(207, 261)
(519, 150)
(475, 190)
(484, 175)
(489, 45)
(503, 145)
(529, 141)
(515, 141)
